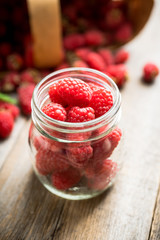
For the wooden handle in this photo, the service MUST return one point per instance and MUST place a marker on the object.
(46, 31)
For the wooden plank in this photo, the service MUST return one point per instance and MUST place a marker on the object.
(155, 229)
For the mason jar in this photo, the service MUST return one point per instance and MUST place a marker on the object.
(75, 160)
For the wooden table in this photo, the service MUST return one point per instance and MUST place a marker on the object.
(128, 211)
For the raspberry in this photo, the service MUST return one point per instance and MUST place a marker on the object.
(48, 161)
(121, 56)
(124, 33)
(14, 110)
(150, 71)
(95, 61)
(66, 179)
(94, 86)
(79, 63)
(74, 91)
(101, 101)
(73, 41)
(77, 114)
(79, 156)
(10, 82)
(30, 76)
(103, 175)
(14, 62)
(54, 95)
(94, 38)
(114, 137)
(118, 73)
(6, 123)
(114, 18)
(25, 95)
(107, 56)
(55, 111)
(82, 53)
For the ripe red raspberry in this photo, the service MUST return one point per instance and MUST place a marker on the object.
(6, 123)
(114, 137)
(150, 71)
(10, 81)
(48, 161)
(54, 95)
(82, 53)
(118, 73)
(94, 38)
(30, 76)
(79, 63)
(121, 56)
(107, 56)
(66, 179)
(101, 101)
(94, 86)
(95, 61)
(79, 156)
(55, 111)
(77, 114)
(103, 175)
(114, 18)
(123, 33)
(25, 95)
(13, 109)
(14, 62)
(74, 91)
(73, 41)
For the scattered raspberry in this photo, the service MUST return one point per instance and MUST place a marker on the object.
(66, 179)
(101, 101)
(30, 76)
(124, 33)
(73, 41)
(114, 137)
(25, 95)
(121, 56)
(54, 95)
(74, 91)
(79, 63)
(6, 123)
(103, 175)
(10, 81)
(55, 111)
(94, 38)
(150, 71)
(82, 53)
(14, 110)
(114, 18)
(77, 114)
(107, 56)
(95, 61)
(14, 62)
(118, 73)
(79, 156)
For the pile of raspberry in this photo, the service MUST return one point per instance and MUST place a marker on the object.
(77, 162)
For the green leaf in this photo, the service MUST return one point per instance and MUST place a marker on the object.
(6, 98)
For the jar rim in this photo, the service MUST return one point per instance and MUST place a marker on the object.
(108, 115)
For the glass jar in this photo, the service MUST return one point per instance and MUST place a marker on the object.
(74, 160)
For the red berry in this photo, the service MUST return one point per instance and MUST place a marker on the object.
(30, 76)
(74, 41)
(77, 114)
(95, 61)
(10, 81)
(14, 62)
(114, 18)
(55, 111)
(94, 38)
(114, 137)
(118, 73)
(66, 179)
(150, 71)
(6, 123)
(74, 91)
(79, 156)
(121, 56)
(14, 110)
(124, 33)
(94, 86)
(25, 95)
(54, 95)
(82, 53)
(101, 101)
(79, 63)
(107, 56)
